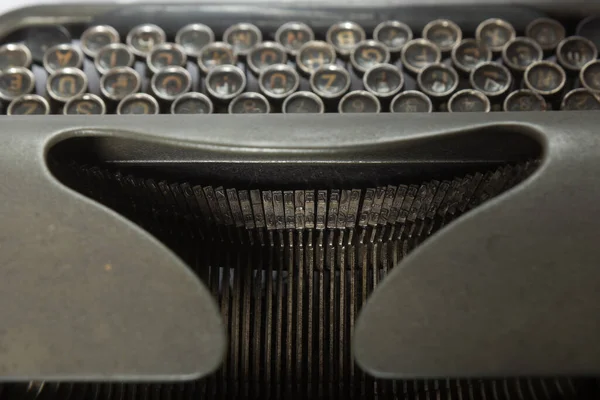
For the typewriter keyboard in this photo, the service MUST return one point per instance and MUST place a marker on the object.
(392, 68)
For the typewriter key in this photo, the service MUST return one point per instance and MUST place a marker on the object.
(66, 83)
(393, 34)
(545, 78)
(192, 103)
(225, 82)
(62, 56)
(293, 35)
(15, 82)
(588, 28)
(469, 54)
(143, 38)
(469, 100)
(359, 101)
(242, 37)
(266, 54)
(368, 53)
(495, 33)
(580, 100)
(166, 55)
(29, 104)
(548, 33)
(343, 36)
(303, 102)
(314, 55)
(438, 81)
(590, 76)
(215, 54)
(330, 82)
(419, 53)
(249, 103)
(278, 81)
(138, 104)
(524, 100)
(40, 38)
(493, 80)
(113, 56)
(411, 101)
(14, 55)
(193, 37)
(96, 37)
(384, 81)
(119, 82)
(574, 52)
(444, 33)
(85, 104)
(520, 53)
(169, 83)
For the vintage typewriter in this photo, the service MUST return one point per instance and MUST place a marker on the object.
(409, 212)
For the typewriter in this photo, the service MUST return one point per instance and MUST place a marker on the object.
(388, 200)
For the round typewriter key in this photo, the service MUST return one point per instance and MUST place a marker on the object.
(194, 37)
(85, 104)
(40, 38)
(14, 55)
(249, 103)
(293, 35)
(343, 36)
(580, 100)
(520, 53)
(545, 78)
(113, 56)
(278, 81)
(469, 100)
(411, 101)
(469, 54)
(170, 82)
(492, 79)
(143, 38)
(62, 56)
(330, 82)
(314, 55)
(66, 83)
(139, 104)
(192, 103)
(368, 53)
(419, 53)
(119, 82)
(590, 76)
(266, 54)
(225, 82)
(438, 81)
(15, 82)
(548, 33)
(359, 101)
(393, 34)
(444, 33)
(29, 104)
(384, 81)
(524, 100)
(588, 28)
(495, 33)
(303, 102)
(215, 54)
(242, 37)
(574, 52)
(166, 55)
(96, 37)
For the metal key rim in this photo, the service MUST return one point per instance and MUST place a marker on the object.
(28, 97)
(249, 95)
(308, 94)
(521, 92)
(138, 96)
(445, 23)
(423, 42)
(407, 93)
(28, 89)
(62, 46)
(115, 38)
(119, 70)
(113, 46)
(68, 71)
(21, 47)
(370, 43)
(361, 93)
(174, 69)
(278, 67)
(471, 92)
(192, 95)
(265, 45)
(226, 68)
(293, 25)
(395, 24)
(166, 46)
(195, 27)
(529, 41)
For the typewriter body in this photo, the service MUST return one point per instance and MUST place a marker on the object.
(404, 208)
